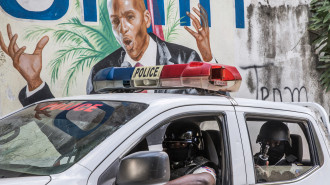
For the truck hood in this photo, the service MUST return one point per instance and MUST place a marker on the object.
(39, 180)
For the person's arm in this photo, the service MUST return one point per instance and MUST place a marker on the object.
(42, 94)
(194, 179)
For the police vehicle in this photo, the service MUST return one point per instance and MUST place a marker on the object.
(116, 138)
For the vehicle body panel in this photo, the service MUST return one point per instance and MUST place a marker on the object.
(37, 180)
(130, 142)
(75, 175)
(162, 108)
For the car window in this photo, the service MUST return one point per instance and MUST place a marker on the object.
(212, 137)
(48, 138)
(210, 127)
(281, 149)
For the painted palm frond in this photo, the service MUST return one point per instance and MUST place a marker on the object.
(36, 32)
(67, 54)
(172, 21)
(101, 40)
(77, 4)
(106, 28)
(170, 9)
(76, 37)
(172, 30)
(65, 36)
(78, 65)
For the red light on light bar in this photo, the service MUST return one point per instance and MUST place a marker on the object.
(197, 69)
(172, 71)
(186, 70)
(225, 73)
(196, 64)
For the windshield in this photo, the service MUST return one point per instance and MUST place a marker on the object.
(48, 138)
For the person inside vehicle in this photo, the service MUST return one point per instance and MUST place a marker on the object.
(274, 161)
(183, 143)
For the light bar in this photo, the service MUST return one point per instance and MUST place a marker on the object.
(201, 75)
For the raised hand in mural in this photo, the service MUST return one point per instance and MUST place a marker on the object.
(202, 34)
(28, 65)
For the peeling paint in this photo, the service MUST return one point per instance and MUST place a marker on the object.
(10, 94)
(2, 58)
(249, 17)
(278, 42)
(2, 79)
(250, 83)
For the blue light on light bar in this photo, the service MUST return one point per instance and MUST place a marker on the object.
(114, 73)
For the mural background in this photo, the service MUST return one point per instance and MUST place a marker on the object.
(267, 41)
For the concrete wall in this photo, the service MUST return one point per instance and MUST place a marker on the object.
(275, 56)
(266, 40)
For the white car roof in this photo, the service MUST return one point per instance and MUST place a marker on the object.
(185, 99)
(287, 106)
(155, 98)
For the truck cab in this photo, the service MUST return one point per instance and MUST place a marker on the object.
(117, 138)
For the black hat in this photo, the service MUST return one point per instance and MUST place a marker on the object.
(184, 132)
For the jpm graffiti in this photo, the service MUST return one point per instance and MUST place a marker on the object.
(295, 93)
(90, 8)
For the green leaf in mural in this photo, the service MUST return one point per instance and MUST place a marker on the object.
(172, 21)
(84, 45)
(33, 33)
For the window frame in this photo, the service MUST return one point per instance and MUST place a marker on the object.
(222, 123)
(311, 139)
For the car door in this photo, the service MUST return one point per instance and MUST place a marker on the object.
(231, 143)
(306, 143)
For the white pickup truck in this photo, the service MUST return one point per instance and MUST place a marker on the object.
(117, 138)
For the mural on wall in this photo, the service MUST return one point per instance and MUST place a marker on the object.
(115, 38)
(270, 46)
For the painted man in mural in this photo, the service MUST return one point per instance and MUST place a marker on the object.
(130, 21)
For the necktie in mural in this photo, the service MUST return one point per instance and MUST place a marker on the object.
(138, 64)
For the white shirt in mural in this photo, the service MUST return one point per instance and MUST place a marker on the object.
(149, 56)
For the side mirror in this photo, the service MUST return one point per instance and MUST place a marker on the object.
(144, 168)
